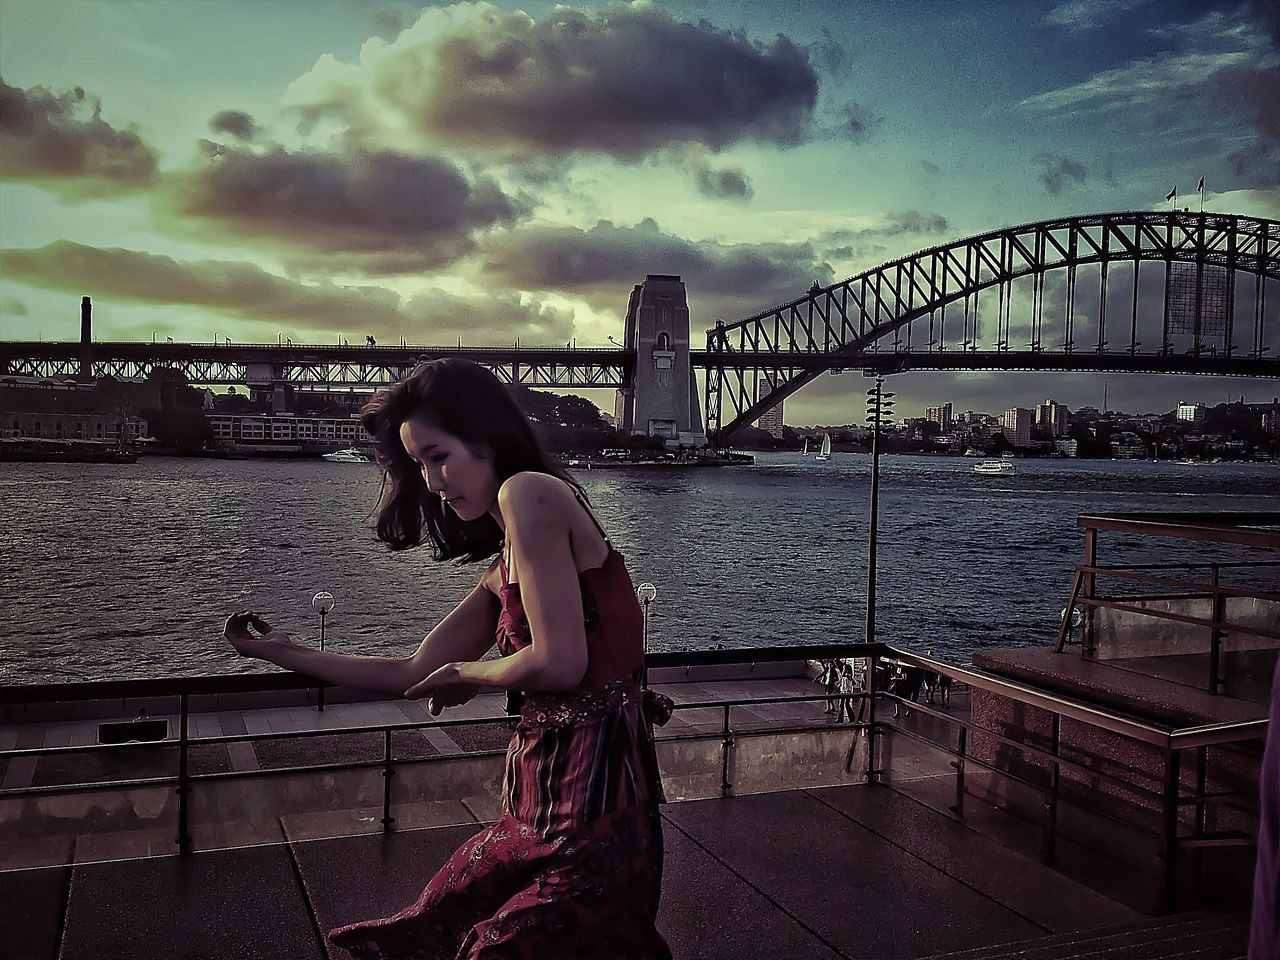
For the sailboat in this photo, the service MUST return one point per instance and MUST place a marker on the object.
(805, 451)
(825, 452)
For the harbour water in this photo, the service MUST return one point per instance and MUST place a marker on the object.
(124, 571)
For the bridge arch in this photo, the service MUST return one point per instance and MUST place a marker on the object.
(755, 363)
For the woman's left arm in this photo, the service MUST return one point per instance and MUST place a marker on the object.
(536, 510)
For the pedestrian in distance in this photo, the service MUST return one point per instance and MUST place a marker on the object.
(573, 865)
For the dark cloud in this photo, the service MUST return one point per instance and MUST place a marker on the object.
(856, 123)
(627, 82)
(247, 293)
(384, 212)
(603, 263)
(13, 306)
(1056, 172)
(730, 183)
(61, 142)
(831, 54)
(864, 240)
(235, 122)
(387, 22)
(1259, 162)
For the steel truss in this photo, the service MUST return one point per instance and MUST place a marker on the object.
(881, 312)
(314, 367)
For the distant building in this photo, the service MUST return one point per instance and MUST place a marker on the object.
(1016, 423)
(1051, 417)
(1193, 412)
(1067, 448)
(940, 414)
(284, 429)
(63, 410)
(771, 422)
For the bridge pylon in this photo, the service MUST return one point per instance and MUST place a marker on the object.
(662, 398)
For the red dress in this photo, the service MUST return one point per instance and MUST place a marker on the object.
(573, 867)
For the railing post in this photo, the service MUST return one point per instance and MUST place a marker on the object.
(1049, 832)
(872, 662)
(726, 743)
(962, 745)
(1169, 831)
(1088, 639)
(388, 771)
(184, 784)
(1065, 627)
(1215, 633)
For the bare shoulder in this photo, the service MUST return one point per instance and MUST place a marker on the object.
(530, 496)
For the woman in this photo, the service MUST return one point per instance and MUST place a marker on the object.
(573, 866)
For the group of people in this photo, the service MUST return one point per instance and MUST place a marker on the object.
(844, 676)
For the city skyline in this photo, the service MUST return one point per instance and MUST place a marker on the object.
(487, 172)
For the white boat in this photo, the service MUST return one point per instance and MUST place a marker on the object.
(349, 455)
(825, 452)
(973, 452)
(995, 468)
(805, 451)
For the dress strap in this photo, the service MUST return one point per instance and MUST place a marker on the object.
(582, 502)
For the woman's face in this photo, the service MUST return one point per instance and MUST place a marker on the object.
(463, 478)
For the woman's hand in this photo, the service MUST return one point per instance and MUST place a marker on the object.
(239, 631)
(443, 688)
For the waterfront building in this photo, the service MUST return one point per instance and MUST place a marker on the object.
(939, 414)
(1051, 417)
(1193, 412)
(284, 429)
(771, 422)
(1016, 424)
(1067, 448)
(50, 409)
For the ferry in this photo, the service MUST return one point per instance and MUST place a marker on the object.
(349, 455)
(995, 468)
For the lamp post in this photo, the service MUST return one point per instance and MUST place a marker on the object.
(324, 602)
(879, 407)
(647, 593)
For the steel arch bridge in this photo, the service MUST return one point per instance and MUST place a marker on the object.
(905, 313)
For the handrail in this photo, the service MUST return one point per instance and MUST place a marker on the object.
(277, 680)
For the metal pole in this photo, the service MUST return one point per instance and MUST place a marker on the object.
(872, 520)
(644, 674)
(1169, 831)
(962, 743)
(1049, 835)
(184, 785)
(388, 771)
(726, 744)
(320, 695)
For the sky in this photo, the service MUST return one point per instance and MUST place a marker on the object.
(476, 172)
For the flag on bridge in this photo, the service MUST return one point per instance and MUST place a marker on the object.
(1200, 186)
(1171, 194)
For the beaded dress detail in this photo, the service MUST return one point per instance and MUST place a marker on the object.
(573, 866)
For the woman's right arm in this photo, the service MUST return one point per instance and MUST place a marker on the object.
(465, 634)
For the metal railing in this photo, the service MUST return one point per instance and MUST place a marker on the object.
(1169, 742)
(1258, 530)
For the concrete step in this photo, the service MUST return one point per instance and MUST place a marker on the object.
(1194, 936)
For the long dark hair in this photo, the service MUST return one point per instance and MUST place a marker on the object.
(466, 401)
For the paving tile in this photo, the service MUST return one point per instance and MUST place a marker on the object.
(1043, 896)
(708, 912)
(32, 908)
(243, 904)
(836, 877)
(361, 878)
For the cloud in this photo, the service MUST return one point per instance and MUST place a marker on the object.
(1076, 17)
(384, 212)
(831, 55)
(602, 263)
(626, 82)
(856, 123)
(235, 122)
(727, 183)
(1056, 171)
(13, 306)
(866, 245)
(246, 292)
(61, 143)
